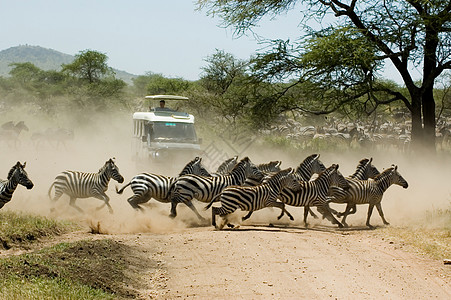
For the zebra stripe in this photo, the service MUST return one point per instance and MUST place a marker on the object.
(84, 185)
(254, 197)
(315, 193)
(227, 166)
(267, 170)
(309, 166)
(364, 171)
(205, 189)
(16, 175)
(371, 192)
(146, 186)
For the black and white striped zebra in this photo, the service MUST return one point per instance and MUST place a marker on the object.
(16, 175)
(146, 185)
(309, 166)
(205, 188)
(365, 170)
(371, 192)
(251, 198)
(227, 166)
(84, 185)
(267, 170)
(315, 193)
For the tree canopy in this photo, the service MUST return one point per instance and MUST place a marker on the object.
(349, 53)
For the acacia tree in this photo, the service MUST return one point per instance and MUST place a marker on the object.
(89, 65)
(407, 33)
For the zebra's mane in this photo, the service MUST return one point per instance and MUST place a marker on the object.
(306, 162)
(189, 165)
(105, 166)
(11, 172)
(327, 171)
(227, 165)
(279, 174)
(384, 173)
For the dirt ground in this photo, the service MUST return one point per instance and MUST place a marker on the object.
(192, 260)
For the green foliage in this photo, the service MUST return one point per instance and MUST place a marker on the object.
(89, 65)
(17, 227)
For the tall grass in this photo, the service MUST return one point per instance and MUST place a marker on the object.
(18, 228)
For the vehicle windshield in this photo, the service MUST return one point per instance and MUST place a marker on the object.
(174, 132)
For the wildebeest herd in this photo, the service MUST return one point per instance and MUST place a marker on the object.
(237, 184)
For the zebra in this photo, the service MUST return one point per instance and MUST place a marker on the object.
(17, 175)
(267, 169)
(309, 166)
(365, 170)
(315, 193)
(84, 185)
(227, 166)
(146, 186)
(254, 197)
(205, 188)
(371, 192)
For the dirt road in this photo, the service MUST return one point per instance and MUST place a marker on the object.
(260, 262)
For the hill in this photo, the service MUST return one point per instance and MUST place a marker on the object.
(43, 58)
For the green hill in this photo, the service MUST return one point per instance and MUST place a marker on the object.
(43, 58)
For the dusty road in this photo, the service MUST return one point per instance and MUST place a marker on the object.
(259, 262)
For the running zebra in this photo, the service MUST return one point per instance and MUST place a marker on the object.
(146, 186)
(17, 175)
(84, 185)
(315, 193)
(267, 170)
(253, 198)
(371, 192)
(309, 166)
(365, 170)
(227, 166)
(205, 189)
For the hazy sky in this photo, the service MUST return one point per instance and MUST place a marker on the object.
(160, 36)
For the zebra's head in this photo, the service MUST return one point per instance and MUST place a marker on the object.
(317, 165)
(336, 178)
(365, 169)
(396, 178)
(113, 171)
(227, 166)
(289, 179)
(198, 168)
(272, 166)
(18, 173)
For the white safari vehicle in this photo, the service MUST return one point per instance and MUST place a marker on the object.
(164, 134)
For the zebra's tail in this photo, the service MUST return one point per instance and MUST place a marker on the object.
(50, 191)
(123, 188)
(212, 201)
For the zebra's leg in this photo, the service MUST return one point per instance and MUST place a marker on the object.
(381, 213)
(281, 205)
(72, 203)
(213, 216)
(305, 216)
(193, 208)
(325, 211)
(346, 213)
(106, 199)
(311, 212)
(136, 199)
(370, 211)
(249, 214)
(223, 222)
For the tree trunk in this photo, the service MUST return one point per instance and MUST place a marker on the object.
(417, 126)
(428, 106)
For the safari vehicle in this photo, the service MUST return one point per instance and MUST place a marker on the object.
(164, 134)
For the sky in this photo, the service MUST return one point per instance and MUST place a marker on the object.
(167, 37)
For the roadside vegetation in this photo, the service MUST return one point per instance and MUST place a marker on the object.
(430, 236)
(18, 229)
(81, 270)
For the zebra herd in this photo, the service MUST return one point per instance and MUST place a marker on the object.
(237, 184)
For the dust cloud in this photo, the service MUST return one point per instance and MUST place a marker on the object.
(99, 137)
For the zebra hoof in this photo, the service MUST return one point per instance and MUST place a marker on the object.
(386, 223)
(340, 225)
(291, 218)
(230, 225)
(172, 216)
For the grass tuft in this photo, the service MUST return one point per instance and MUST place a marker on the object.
(19, 228)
